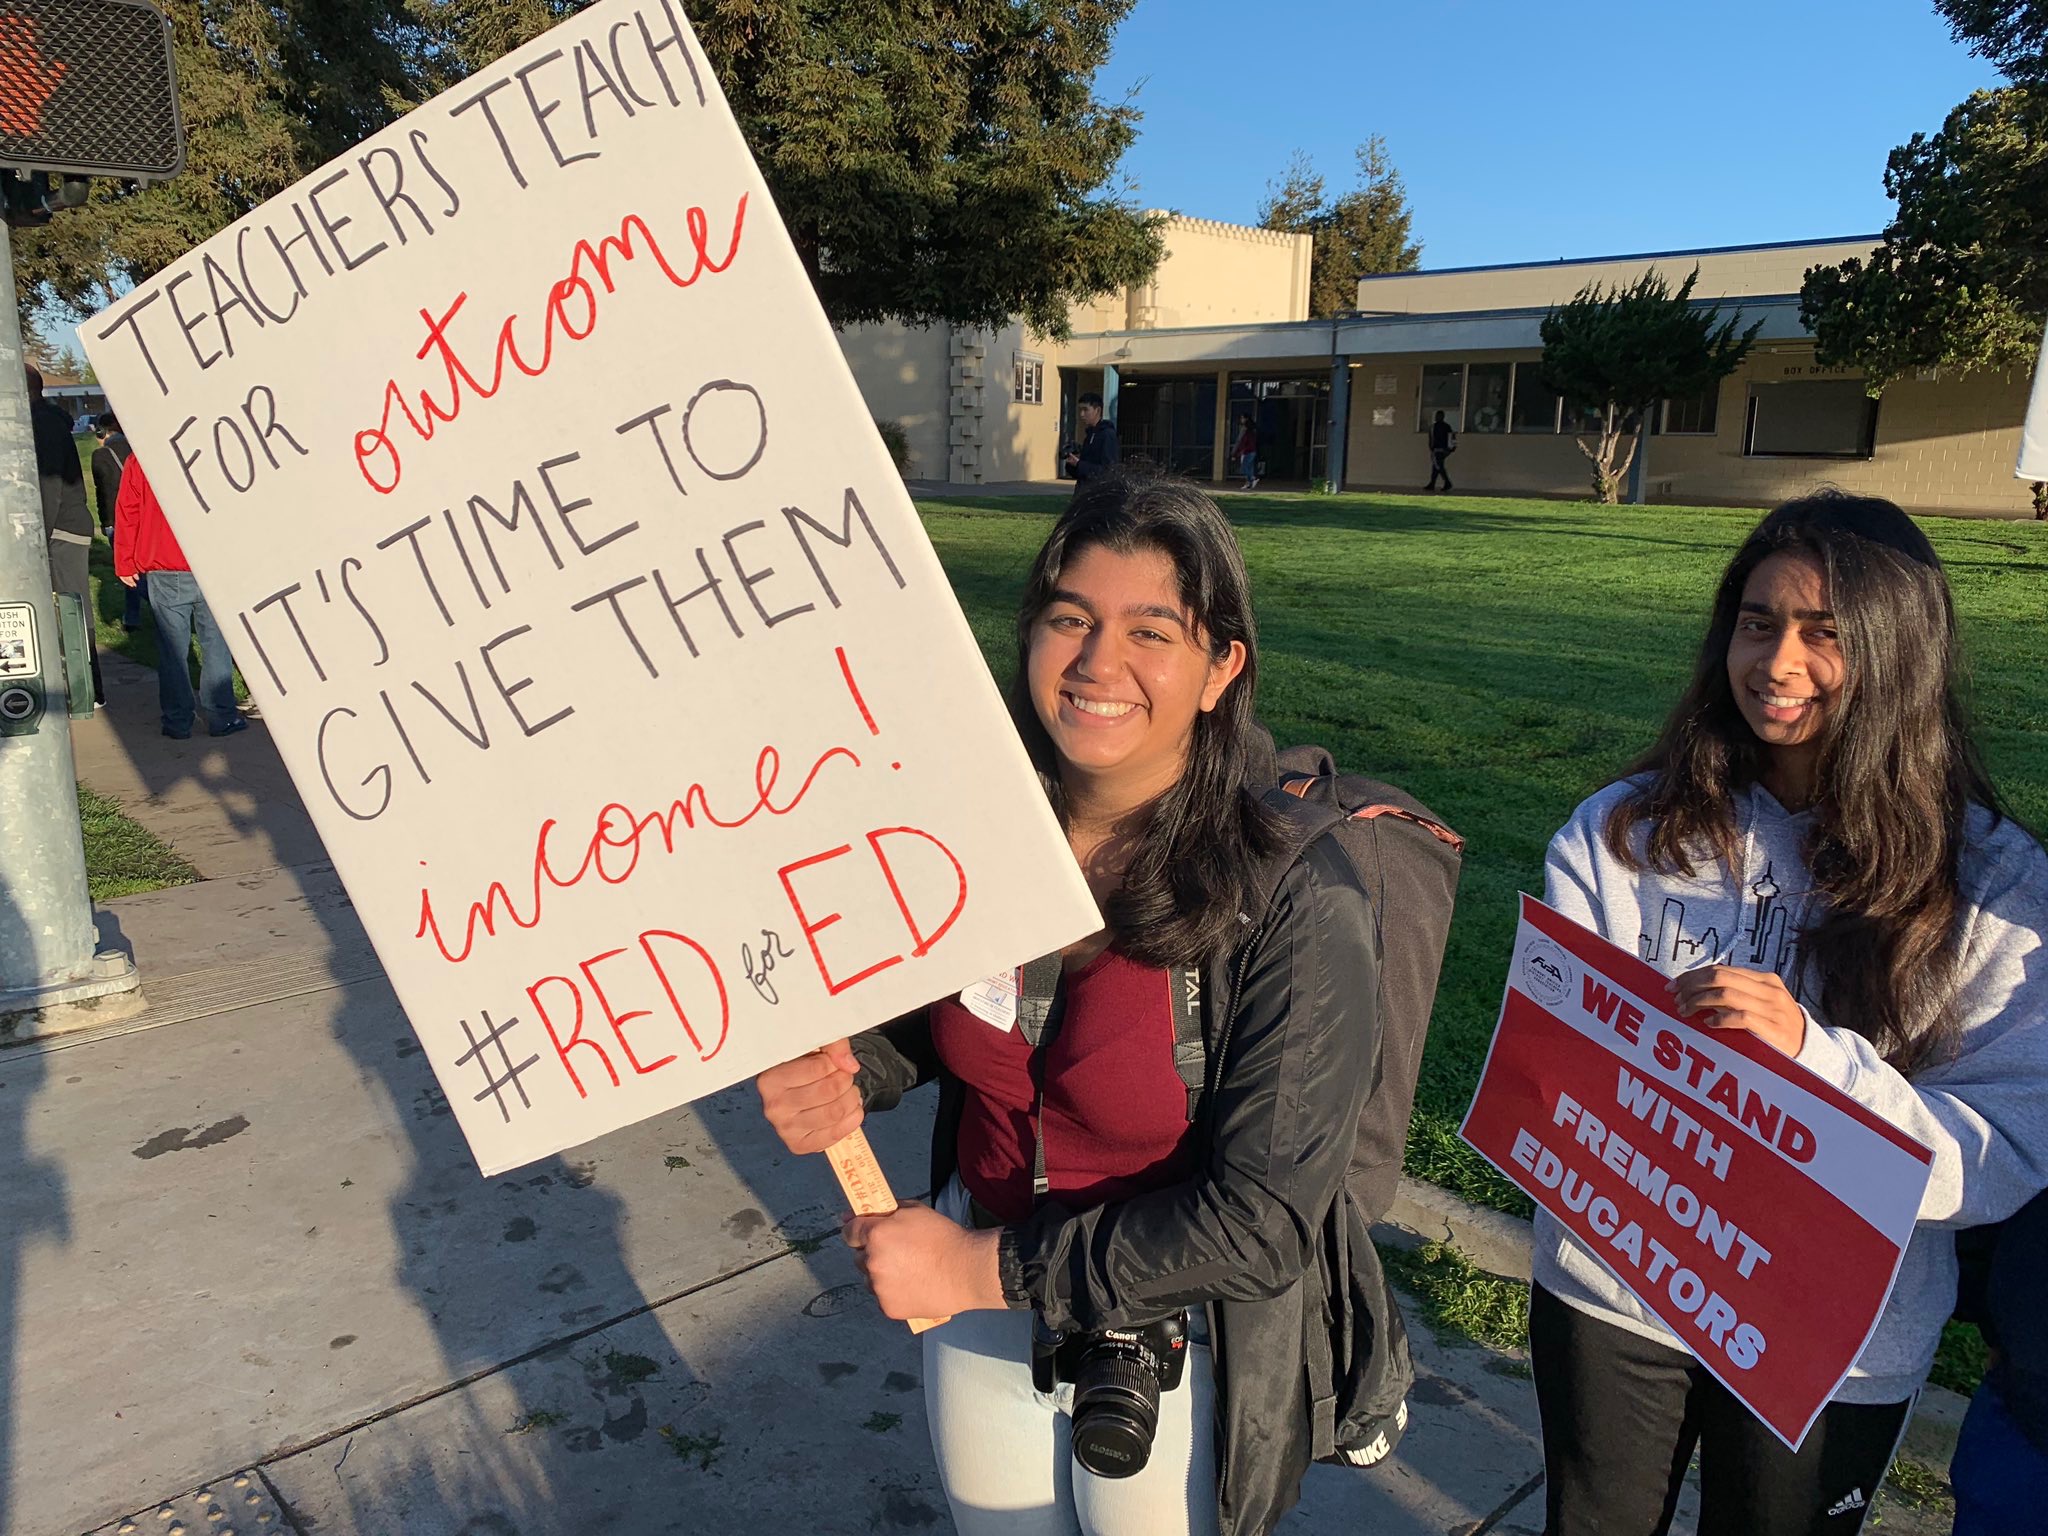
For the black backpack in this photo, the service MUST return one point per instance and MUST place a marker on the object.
(1408, 861)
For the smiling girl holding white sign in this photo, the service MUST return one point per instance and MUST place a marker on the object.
(1814, 851)
(1090, 1194)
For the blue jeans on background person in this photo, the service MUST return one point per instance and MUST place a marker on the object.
(132, 599)
(2000, 1477)
(181, 616)
(1249, 463)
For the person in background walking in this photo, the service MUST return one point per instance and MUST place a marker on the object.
(107, 462)
(145, 545)
(67, 520)
(1099, 451)
(2000, 1470)
(1247, 452)
(1443, 442)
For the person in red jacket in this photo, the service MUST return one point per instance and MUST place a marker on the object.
(145, 546)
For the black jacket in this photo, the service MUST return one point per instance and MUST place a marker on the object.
(1263, 1234)
(108, 460)
(1100, 451)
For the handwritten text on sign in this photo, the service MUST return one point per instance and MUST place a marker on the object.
(525, 475)
(1756, 1210)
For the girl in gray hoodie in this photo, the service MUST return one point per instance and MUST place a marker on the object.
(1814, 852)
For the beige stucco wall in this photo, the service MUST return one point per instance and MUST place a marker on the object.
(953, 390)
(1019, 442)
(902, 372)
(1723, 274)
(1946, 444)
(1212, 274)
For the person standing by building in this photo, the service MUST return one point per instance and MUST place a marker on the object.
(67, 520)
(145, 545)
(107, 462)
(1443, 442)
(1247, 452)
(1099, 451)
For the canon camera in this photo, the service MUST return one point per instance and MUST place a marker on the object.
(1118, 1374)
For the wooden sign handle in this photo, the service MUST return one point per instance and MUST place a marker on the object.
(867, 1190)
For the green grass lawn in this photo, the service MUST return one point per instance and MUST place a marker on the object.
(122, 857)
(1500, 660)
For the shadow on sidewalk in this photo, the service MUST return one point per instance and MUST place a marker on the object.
(34, 1208)
(497, 1268)
(555, 1379)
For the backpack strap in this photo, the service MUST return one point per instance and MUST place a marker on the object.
(1302, 824)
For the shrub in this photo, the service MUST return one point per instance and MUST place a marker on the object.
(897, 441)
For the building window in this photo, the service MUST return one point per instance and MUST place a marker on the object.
(1535, 401)
(1028, 379)
(1486, 397)
(1694, 415)
(1443, 389)
(1811, 418)
(1583, 419)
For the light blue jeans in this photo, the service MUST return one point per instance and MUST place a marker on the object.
(181, 617)
(1005, 1449)
(1249, 463)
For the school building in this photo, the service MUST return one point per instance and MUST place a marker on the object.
(1221, 333)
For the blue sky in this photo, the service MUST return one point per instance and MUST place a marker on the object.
(1528, 130)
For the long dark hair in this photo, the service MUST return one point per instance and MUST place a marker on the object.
(1896, 772)
(1202, 839)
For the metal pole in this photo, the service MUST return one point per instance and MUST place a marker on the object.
(1340, 423)
(49, 955)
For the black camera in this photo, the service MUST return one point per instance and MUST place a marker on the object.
(1118, 1374)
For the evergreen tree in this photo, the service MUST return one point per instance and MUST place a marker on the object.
(1627, 348)
(935, 160)
(2012, 34)
(1365, 231)
(1961, 277)
(1295, 203)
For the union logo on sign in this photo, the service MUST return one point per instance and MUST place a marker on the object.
(1546, 972)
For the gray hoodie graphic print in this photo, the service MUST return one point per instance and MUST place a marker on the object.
(1984, 1112)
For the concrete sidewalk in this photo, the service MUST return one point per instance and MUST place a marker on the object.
(251, 1280)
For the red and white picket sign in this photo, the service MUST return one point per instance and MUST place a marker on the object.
(1756, 1209)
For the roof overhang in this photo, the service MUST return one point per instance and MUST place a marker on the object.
(1309, 342)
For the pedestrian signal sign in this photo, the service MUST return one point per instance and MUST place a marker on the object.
(87, 88)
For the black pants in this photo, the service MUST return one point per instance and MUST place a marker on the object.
(1437, 466)
(1622, 1415)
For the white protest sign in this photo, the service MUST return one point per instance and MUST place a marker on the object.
(523, 472)
(2033, 464)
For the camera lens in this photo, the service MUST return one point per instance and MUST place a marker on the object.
(1116, 1410)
